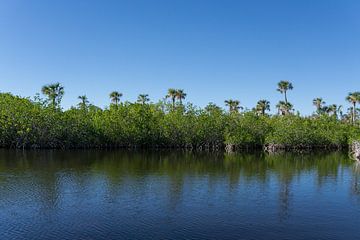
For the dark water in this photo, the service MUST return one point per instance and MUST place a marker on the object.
(127, 195)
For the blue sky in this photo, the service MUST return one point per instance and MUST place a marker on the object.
(215, 50)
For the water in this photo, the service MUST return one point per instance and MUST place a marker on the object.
(174, 195)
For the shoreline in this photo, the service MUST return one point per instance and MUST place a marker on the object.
(229, 148)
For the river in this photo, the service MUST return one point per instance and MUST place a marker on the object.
(95, 194)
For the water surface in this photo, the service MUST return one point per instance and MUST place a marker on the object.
(173, 195)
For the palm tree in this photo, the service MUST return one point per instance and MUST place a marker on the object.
(348, 116)
(115, 97)
(262, 106)
(283, 87)
(172, 94)
(279, 107)
(234, 105)
(334, 110)
(353, 98)
(229, 103)
(318, 103)
(339, 111)
(143, 98)
(54, 92)
(212, 107)
(84, 101)
(180, 94)
(284, 107)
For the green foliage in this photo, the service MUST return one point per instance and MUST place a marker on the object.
(26, 123)
(294, 130)
(248, 129)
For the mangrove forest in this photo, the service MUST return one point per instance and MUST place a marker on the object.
(41, 122)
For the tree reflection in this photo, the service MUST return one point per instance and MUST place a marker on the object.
(165, 173)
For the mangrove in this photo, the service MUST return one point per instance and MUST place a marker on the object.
(41, 122)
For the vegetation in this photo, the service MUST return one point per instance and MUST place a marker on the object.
(262, 106)
(42, 123)
(54, 92)
(353, 98)
(318, 103)
(234, 105)
(283, 87)
(115, 97)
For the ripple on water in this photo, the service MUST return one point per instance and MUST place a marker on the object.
(123, 195)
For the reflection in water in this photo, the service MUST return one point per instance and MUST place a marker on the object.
(120, 194)
(356, 180)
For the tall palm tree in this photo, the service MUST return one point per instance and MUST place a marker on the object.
(283, 87)
(54, 92)
(172, 94)
(180, 94)
(353, 98)
(318, 103)
(284, 107)
(143, 98)
(84, 101)
(263, 106)
(115, 97)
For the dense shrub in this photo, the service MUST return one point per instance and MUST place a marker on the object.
(247, 129)
(25, 123)
(294, 130)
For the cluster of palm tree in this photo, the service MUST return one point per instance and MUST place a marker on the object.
(234, 105)
(334, 110)
(262, 106)
(321, 108)
(353, 98)
(283, 87)
(55, 92)
(284, 107)
(319, 104)
(115, 98)
(176, 94)
(143, 98)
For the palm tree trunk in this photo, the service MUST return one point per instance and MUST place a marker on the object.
(354, 112)
(285, 97)
(173, 102)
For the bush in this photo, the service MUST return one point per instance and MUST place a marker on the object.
(25, 123)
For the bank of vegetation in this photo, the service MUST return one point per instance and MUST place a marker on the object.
(40, 122)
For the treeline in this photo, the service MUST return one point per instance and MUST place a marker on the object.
(41, 123)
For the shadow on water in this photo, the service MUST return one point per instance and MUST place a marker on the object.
(159, 186)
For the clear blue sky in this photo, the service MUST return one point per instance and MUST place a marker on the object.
(215, 50)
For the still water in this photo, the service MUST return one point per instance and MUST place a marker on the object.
(175, 195)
